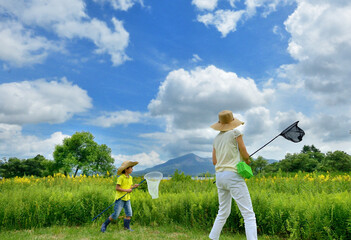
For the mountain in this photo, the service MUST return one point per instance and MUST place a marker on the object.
(190, 164)
(270, 161)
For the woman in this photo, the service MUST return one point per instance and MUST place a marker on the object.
(228, 150)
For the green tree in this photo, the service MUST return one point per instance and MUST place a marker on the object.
(81, 152)
(102, 163)
(180, 176)
(258, 165)
(12, 168)
(36, 166)
(313, 153)
(336, 161)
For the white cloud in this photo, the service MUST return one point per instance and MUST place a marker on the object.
(321, 43)
(226, 19)
(145, 159)
(123, 5)
(205, 4)
(196, 58)
(41, 101)
(110, 119)
(193, 99)
(189, 102)
(20, 46)
(11, 135)
(107, 41)
(67, 19)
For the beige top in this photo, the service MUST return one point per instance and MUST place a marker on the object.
(227, 151)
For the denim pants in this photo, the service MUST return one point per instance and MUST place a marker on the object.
(118, 208)
(232, 185)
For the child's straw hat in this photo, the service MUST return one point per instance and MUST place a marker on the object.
(226, 121)
(125, 165)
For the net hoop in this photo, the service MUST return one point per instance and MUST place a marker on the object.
(153, 180)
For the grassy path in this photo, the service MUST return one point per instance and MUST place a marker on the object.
(115, 232)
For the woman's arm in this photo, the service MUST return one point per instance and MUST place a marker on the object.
(214, 159)
(242, 149)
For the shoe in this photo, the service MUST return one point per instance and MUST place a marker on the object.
(104, 225)
(127, 225)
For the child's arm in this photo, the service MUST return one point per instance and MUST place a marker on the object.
(118, 188)
(135, 186)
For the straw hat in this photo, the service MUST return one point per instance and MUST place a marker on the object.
(125, 165)
(226, 121)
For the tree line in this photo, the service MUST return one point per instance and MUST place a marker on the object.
(78, 154)
(310, 159)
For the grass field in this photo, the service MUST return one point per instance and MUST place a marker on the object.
(311, 206)
(92, 231)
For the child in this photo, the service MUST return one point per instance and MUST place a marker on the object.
(228, 150)
(124, 185)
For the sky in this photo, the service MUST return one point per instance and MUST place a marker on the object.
(148, 77)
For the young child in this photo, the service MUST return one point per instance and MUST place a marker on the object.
(124, 185)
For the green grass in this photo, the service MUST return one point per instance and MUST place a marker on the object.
(114, 231)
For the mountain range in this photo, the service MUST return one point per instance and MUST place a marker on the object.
(190, 164)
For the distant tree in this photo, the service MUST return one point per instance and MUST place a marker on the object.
(12, 168)
(336, 161)
(102, 163)
(272, 168)
(36, 166)
(313, 153)
(258, 165)
(180, 176)
(81, 152)
(298, 162)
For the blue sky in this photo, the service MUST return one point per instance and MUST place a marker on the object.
(149, 77)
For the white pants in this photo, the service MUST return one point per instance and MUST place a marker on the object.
(232, 185)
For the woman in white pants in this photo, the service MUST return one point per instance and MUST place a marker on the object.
(228, 150)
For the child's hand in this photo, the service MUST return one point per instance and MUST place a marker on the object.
(136, 185)
(129, 190)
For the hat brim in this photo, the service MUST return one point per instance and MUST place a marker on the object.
(227, 126)
(123, 167)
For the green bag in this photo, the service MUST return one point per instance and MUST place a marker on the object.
(244, 170)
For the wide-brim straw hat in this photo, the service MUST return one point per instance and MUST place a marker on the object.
(125, 165)
(226, 121)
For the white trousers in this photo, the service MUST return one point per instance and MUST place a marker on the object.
(232, 185)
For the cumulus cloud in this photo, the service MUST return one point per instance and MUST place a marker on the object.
(226, 19)
(193, 98)
(145, 159)
(321, 43)
(67, 19)
(11, 135)
(189, 102)
(20, 46)
(41, 101)
(109, 119)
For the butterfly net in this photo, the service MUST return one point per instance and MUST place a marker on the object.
(293, 133)
(153, 180)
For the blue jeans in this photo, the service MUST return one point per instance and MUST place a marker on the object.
(118, 208)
